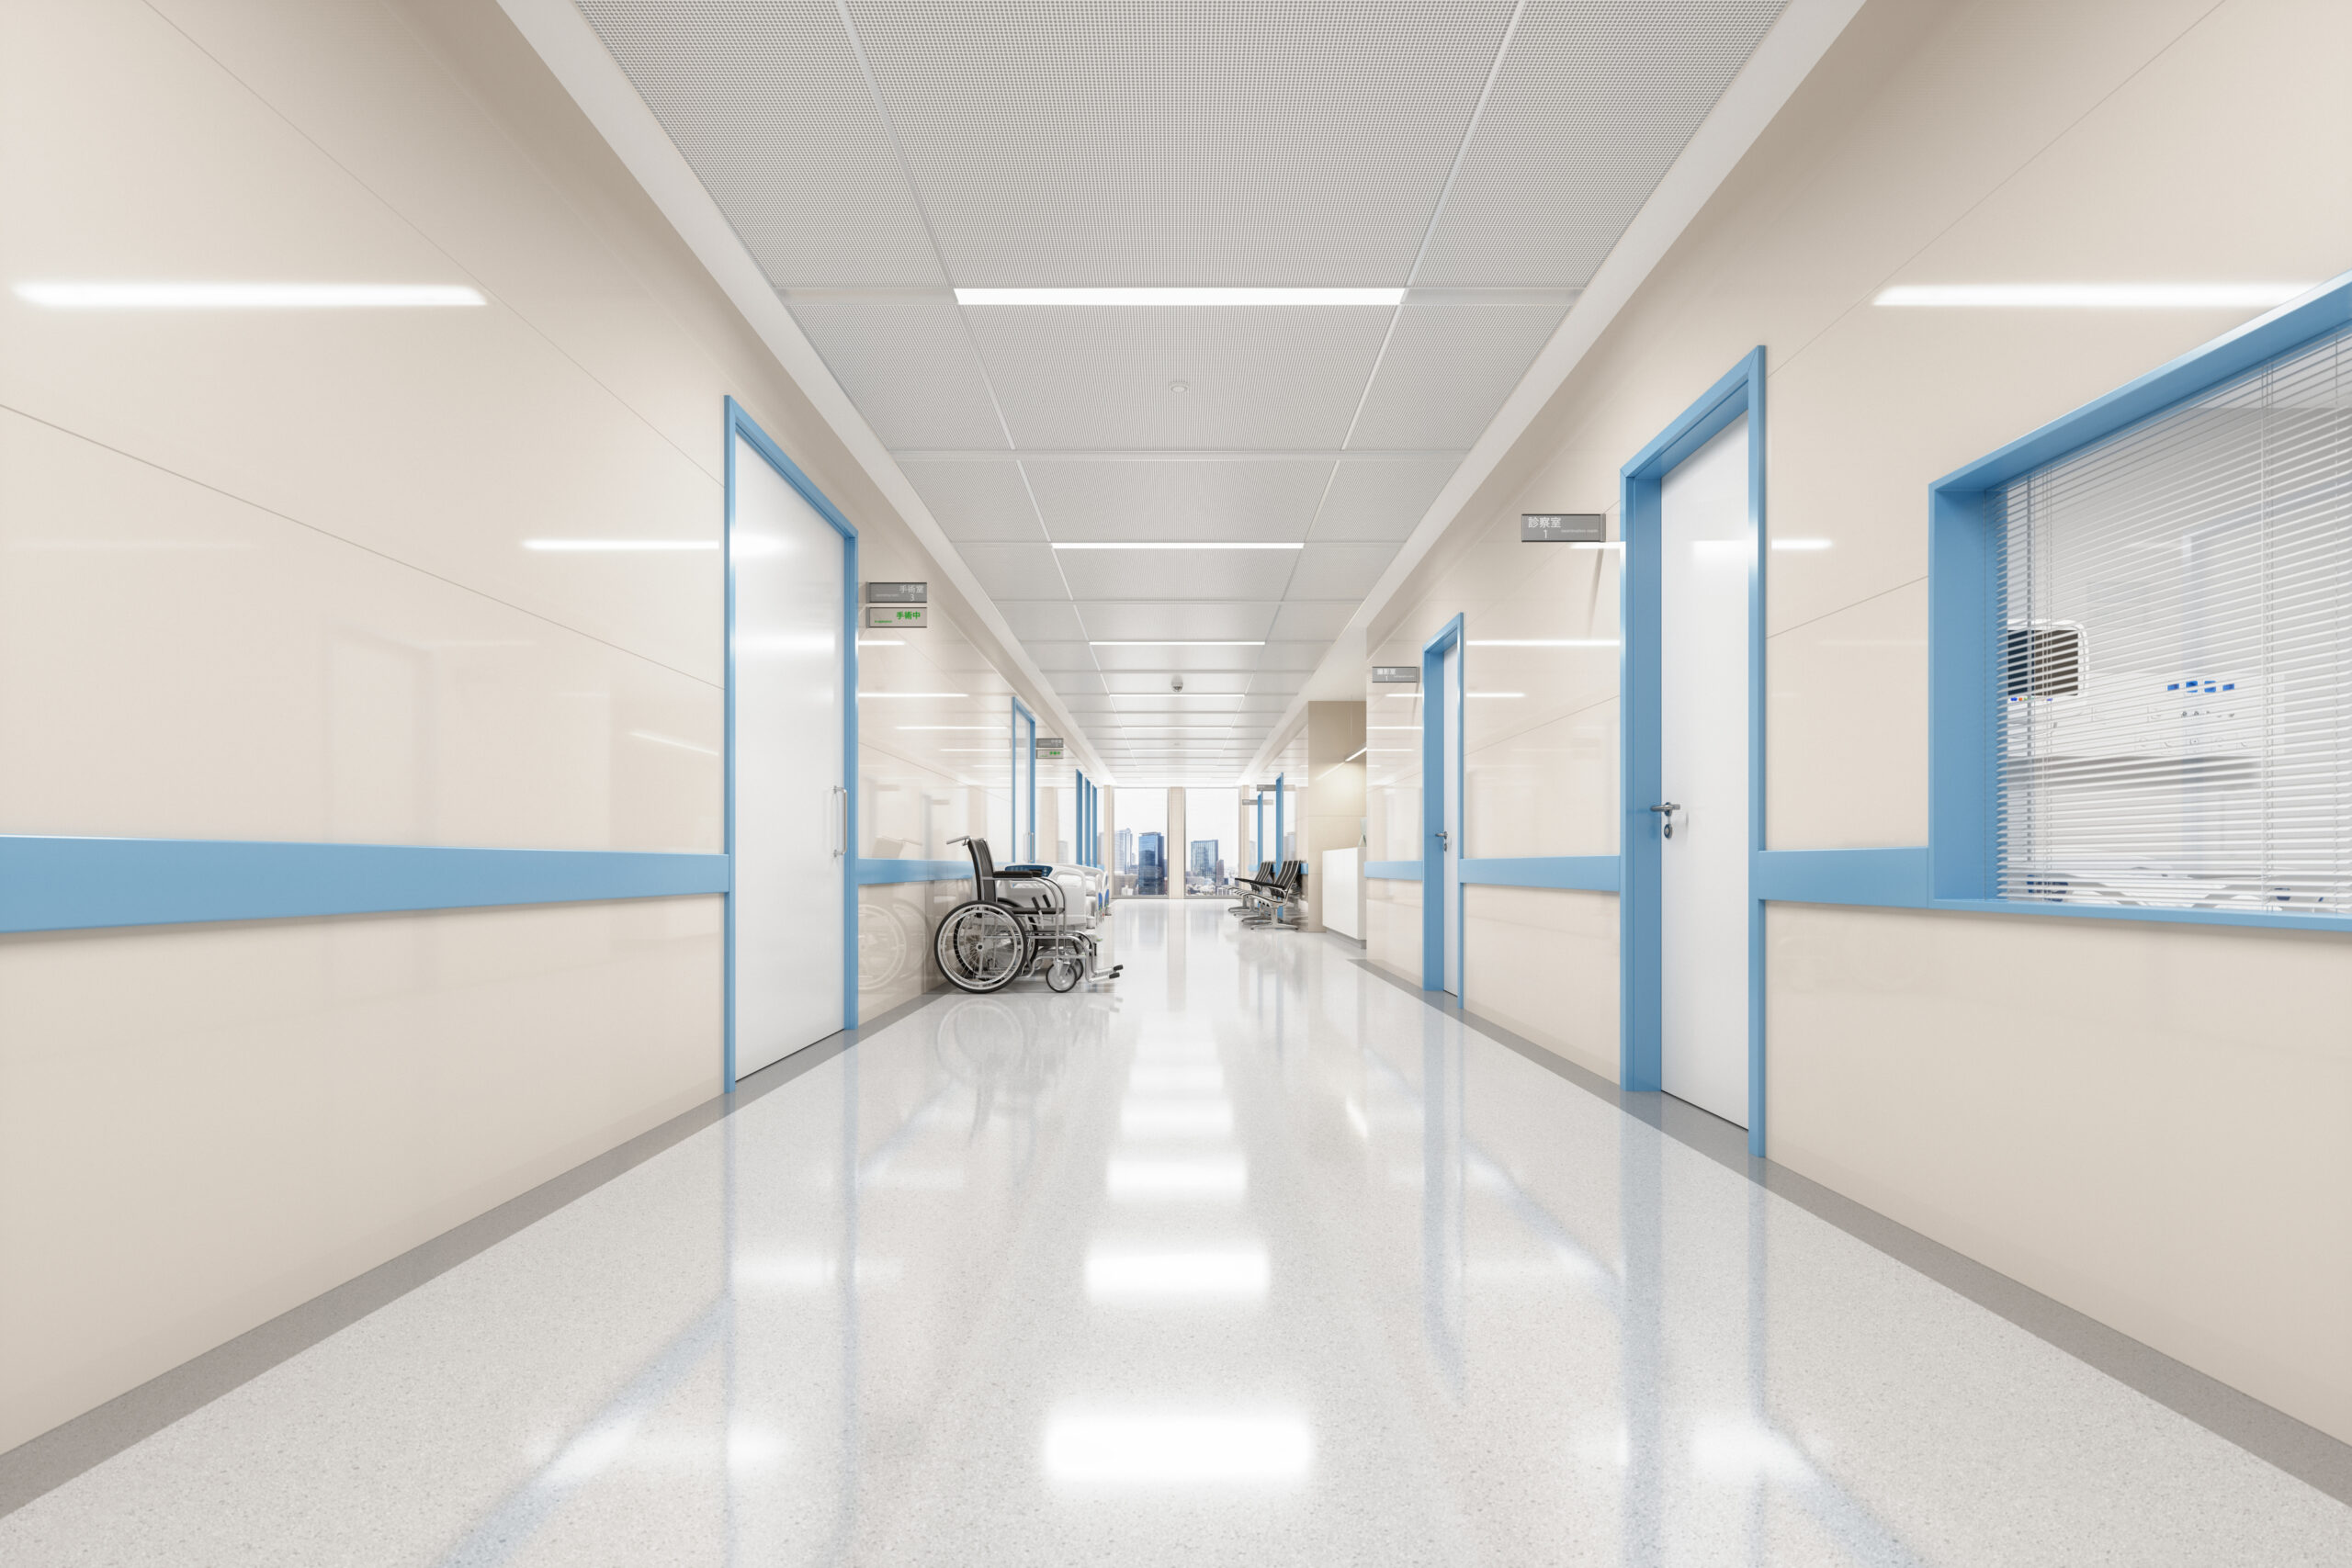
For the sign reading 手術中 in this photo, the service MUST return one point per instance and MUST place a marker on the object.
(1395, 675)
(1563, 528)
(898, 593)
(905, 617)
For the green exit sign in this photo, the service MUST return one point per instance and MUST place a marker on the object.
(901, 616)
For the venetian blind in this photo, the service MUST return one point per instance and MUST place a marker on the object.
(2173, 662)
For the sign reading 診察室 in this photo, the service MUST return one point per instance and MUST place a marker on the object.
(1563, 528)
(1395, 675)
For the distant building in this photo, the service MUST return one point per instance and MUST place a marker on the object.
(1151, 865)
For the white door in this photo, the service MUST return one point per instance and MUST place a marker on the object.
(1703, 746)
(1450, 698)
(790, 811)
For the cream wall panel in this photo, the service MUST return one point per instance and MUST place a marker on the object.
(2143, 1121)
(442, 438)
(201, 1127)
(1846, 717)
(1543, 962)
(186, 665)
(1548, 790)
(895, 923)
(1392, 937)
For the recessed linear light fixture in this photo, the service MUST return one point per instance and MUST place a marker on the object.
(1175, 545)
(1176, 644)
(1181, 297)
(2092, 295)
(247, 295)
(1544, 642)
(631, 546)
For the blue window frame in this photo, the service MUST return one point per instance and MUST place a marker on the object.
(1963, 558)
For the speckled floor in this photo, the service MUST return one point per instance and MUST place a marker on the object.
(1259, 1261)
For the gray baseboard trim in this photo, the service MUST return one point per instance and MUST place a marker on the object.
(2271, 1434)
(43, 1463)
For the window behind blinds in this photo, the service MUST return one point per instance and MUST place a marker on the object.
(2175, 661)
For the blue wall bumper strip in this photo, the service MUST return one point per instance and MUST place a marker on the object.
(873, 872)
(57, 883)
(1393, 870)
(1892, 879)
(1589, 874)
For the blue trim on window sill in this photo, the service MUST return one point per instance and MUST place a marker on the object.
(71, 884)
(1586, 874)
(1393, 870)
(873, 873)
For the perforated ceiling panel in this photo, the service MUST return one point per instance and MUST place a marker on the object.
(1594, 101)
(1262, 376)
(875, 154)
(768, 105)
(1171, 141)
(1179, 498)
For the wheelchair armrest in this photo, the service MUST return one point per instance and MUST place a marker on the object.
(1003, 871)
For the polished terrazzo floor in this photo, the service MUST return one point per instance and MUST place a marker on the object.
(1256, 1259)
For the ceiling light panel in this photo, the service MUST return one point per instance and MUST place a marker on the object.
(1139, 682)
(1274, 378)
(909, 366)
(1110, 620)
(1294, 144)
(1198, 707)
(1179, 498)
(1448, 368)
(976, 500)
(1176, 574)
(1380, 500)
(770, 108)
(1345, 572)
(1592, 105)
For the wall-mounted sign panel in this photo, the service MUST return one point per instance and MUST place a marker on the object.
(1049, 746)
(1397, 674)
(1563, 528)
(903, 618)
(898, 593)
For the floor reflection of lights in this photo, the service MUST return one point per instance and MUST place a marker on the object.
(1176, 1447)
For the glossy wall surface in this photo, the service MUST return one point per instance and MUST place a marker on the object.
(315, 575)
(2088, 1136)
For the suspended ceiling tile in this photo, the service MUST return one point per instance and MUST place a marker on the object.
(1179, 498)
(1592, 104)
(1448, 368)
(907, 365)
(1171, 141)
(1339, 571)
(768, 105)
(1292, 656)
(976, 500)
(1205, 703)
(1074, 682)
(1262, 376)
(1176, 660)
(1128, 621)
(1380, 500)
(1014, 571)
(1042, 620)
(1052, 656)
(1208, 681)
(1311, 622)
(1277, 682)
(1175, 574)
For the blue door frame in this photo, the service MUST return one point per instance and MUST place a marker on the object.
(1022, 716)
(739, 423)
(1436, 714)
(1740, 394)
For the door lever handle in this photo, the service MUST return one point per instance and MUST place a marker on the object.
(1667, 810)
(1442, 842)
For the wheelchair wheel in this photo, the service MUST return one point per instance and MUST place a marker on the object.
(983, 947)
(1064, 973)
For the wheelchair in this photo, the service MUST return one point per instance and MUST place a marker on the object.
(1017, 923)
